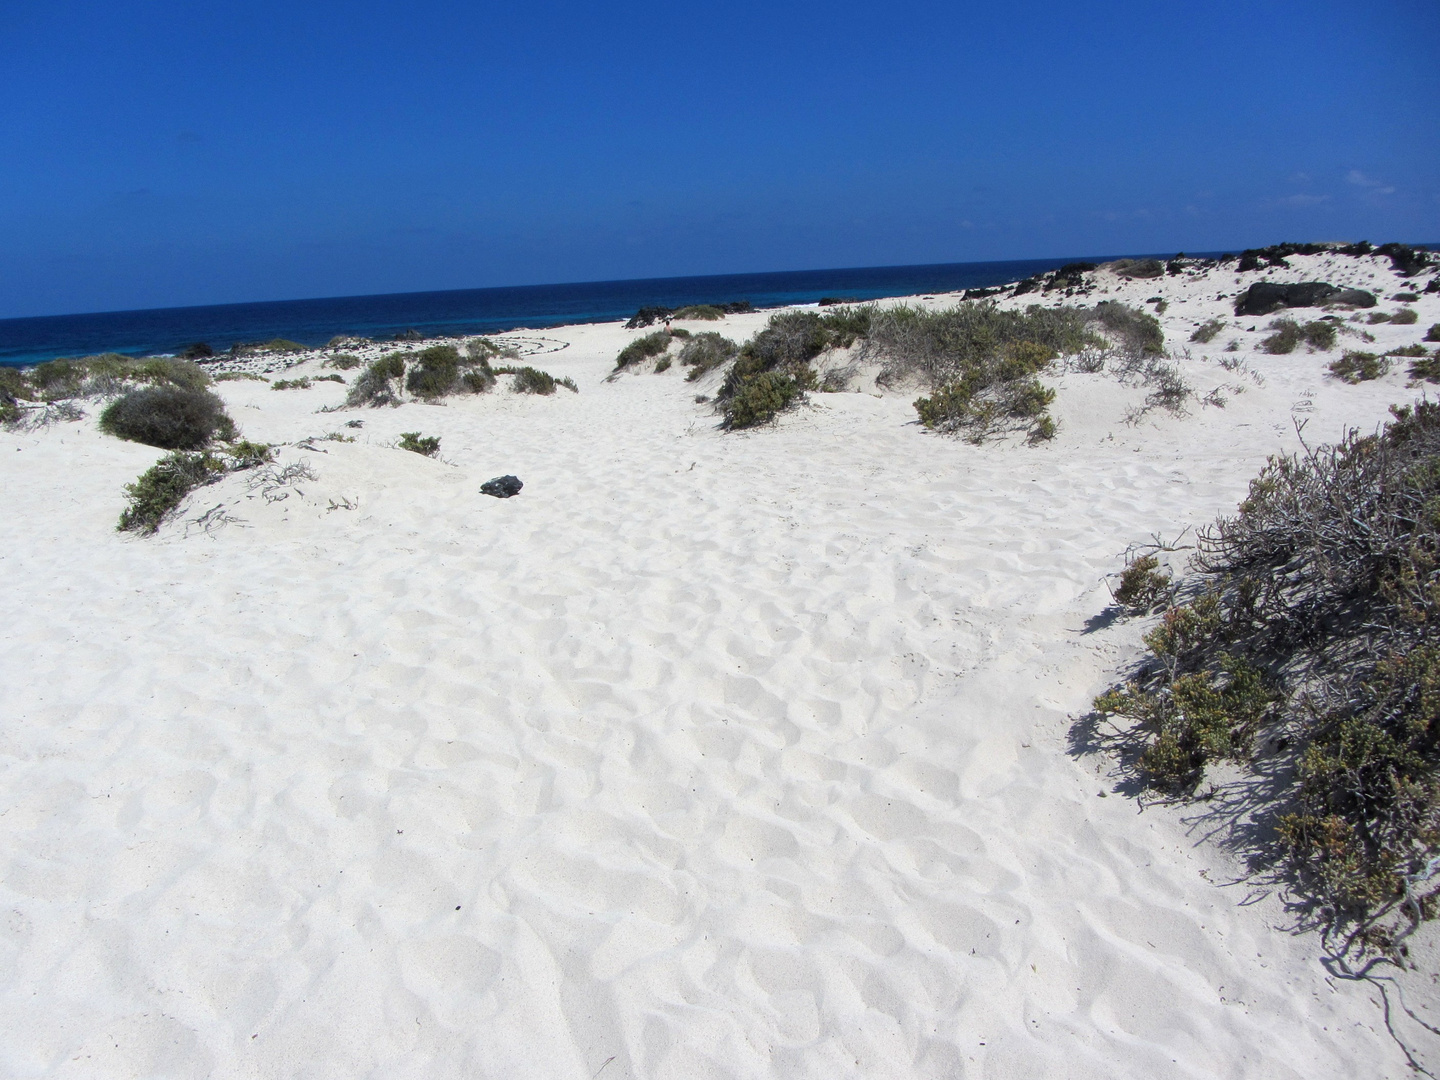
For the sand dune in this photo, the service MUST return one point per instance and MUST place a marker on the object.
(730, 755)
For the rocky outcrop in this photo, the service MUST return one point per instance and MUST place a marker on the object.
(1266, 296)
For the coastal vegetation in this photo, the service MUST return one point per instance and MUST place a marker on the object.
(643, 348)
(442, 370)
(1357, 367)
(529, 380)
(425, 445)
(1207, 331)
(980, 364)
(705, 352)
(169, 417)
(163, 487)
(1288, 334)
(1308, 632)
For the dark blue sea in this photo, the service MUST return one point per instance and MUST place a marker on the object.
(474, 311)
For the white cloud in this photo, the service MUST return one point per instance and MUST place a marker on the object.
(1360, 180)
(1303, 200)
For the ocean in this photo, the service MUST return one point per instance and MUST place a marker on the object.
(474, 311)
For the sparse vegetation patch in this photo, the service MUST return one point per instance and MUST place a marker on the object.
(1357, 367)
(1312, 629)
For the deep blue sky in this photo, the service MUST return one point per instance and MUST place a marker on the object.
(157, 153)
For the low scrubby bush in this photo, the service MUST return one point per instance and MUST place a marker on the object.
(758, 400)
(434, 372)
(1313, 626)
(14, 388)
(777, 362)
(1207, 332)
(1405, 317)
(1378, 317)
(1318, 334)
(426, 445)
(170, 417)
(290, 384)
(1358, 367)
(643, 348)
(706, 312)
(706, 352)
(280, 345)
(529, 380)
(1142, 584)
(240, 376)
(376, 385)
(343, 361)
(1426, 367)
(160, 489)
(1433, 334)
(111, 373)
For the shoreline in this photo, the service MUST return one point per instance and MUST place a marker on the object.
(326, 318)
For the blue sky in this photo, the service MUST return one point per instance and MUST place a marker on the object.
(159, 153)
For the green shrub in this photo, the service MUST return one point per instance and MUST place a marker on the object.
(1427, 368)
(1357, 367)
(1208, 331)
(759, 400)
(1134, 331)
(1142, 584)
(706, 352)
(290, 384)
(14, 388)
(434, 372)
(706, 312)
(1043, 430)
(110, 373)
(1378, 317)
(343, 361)
(247, 455)
(1139, 268)
(163, 487)
(1318, 627)
(642, 348)
(281, 345)
(1408, 351)
(483, 350)
(330, 378)
(239, 376)
(478, 381)
(529, 380)
(846, 325)
(427, 445)
(663, 364)
(1405, 317)
(1433, 334)
(1319, 334)
(170, 417)
(376, 384)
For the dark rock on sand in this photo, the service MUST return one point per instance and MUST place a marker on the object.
(502, 487)
(1266, 296)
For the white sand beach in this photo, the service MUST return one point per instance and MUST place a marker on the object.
(711, 754)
